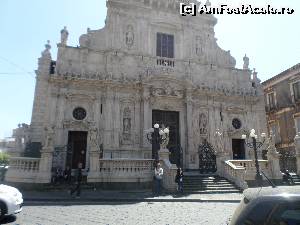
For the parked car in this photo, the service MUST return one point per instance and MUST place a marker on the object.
(11, 200)
(269, 206)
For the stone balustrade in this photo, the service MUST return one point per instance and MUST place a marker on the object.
(235, 173)
(123, 170)
(23, 169)
(250, 168)
(24, 164)
(165, 62)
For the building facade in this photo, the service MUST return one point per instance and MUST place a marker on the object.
(147, 65)
(282, 97)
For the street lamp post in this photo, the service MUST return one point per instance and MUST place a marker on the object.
(157, 137)
(255, 145)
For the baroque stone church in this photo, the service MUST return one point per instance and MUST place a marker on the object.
(147, 65)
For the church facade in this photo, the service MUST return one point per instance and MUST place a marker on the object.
(147, 65)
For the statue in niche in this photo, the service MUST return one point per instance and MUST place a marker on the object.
(127, 122)
(203, 123)
(126, 125)
(126, 137)
(64, 36)
(93, 136)
(129, 36)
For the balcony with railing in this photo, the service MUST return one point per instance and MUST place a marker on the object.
(168, 62)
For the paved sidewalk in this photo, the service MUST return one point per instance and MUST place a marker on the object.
(127, 196)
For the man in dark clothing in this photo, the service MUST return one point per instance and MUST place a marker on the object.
(68, 175)
(78, 182)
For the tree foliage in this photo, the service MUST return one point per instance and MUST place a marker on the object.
(4, 158)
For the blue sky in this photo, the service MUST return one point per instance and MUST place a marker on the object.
(270, 41)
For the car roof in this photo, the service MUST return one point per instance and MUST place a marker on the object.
(283, 191)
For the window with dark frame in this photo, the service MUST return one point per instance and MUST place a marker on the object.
(165, 45)
(271, 99)
(296, 90)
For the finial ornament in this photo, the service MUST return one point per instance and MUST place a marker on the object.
(254, 73)
(246, 63)
(47, 45)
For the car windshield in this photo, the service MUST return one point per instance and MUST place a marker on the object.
(286, 213)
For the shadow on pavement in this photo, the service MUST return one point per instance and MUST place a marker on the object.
(8, 219)
(41, 203)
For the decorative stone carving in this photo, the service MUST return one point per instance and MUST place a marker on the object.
(129, 36)
(166, 91)
(126, 135)
(49, 139)
(203, 121)
(64, 36)
(94, 141)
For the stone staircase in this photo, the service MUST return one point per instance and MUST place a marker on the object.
(194, 182)
(296, 178)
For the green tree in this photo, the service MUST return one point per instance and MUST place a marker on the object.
(4, 158)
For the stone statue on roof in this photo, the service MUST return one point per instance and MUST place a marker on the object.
(64, 36)
(246, 63)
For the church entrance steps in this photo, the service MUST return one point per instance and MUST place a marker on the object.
(296, 178)
(204, 183)
(212, 191)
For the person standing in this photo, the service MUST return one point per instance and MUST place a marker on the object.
(179, 180)
(78, 182)
(67, 175)
(158, 174)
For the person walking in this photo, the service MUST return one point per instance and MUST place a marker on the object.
(179, 180)
(78, 182)
(158, 174)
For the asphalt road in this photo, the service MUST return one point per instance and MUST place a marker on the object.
(114, 213)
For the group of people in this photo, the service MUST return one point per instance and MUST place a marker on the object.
(59, 176)
(65, 176)
(158, 176)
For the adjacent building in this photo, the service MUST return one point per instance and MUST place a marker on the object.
(282, 97)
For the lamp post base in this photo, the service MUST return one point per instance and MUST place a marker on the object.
(259, 179)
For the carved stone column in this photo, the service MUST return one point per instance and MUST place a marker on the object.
(147, 113)
(108, 127)
(116, 122)
(189, 119)
(61, 103)
(297, 148)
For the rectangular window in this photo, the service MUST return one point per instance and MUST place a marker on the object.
(165, 45)
(296, 90)
(271, 100)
